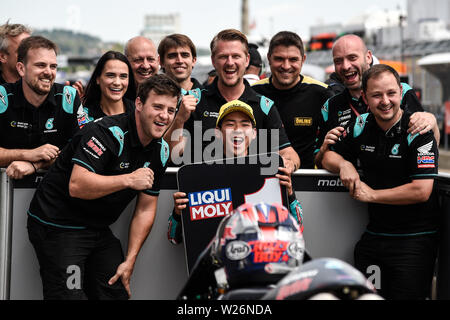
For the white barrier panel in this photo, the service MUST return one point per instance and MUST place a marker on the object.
(333, 224)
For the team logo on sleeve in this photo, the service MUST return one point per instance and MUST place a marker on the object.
(426, 158)
(96, 148)
(2, 98)
(67, 96)
(210, 204)
(425, 149)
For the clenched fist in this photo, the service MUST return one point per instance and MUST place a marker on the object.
(141, 179)
(47, 152)
(19, 169)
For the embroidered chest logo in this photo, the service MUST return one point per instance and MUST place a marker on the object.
(49, 124)
(303, 122)
(21, 125)
(395, 151)
(208, 114)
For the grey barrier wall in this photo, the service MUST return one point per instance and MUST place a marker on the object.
(333, 224)
(5, 235)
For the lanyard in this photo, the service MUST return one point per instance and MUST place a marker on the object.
(356, 111)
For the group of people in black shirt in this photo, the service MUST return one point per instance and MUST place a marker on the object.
(108, 142)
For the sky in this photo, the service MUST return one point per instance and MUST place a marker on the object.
(119, 20)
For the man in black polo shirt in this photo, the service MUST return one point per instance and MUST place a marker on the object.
(351, 59)
(10, 37)
(178, 56)
(298, 98)
(398, 173)
(37, 116)
(230, 58)
(103, 168)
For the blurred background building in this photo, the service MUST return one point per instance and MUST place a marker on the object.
(403, 39)
(157, 26)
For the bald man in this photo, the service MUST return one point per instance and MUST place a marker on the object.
(351, 59)
(144, 60)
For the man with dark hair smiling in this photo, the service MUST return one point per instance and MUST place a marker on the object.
(398, 176)
(104, 167)
(298, 98)
(37, 116)
(178, 55)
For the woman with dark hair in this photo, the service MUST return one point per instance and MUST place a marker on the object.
(111, 89)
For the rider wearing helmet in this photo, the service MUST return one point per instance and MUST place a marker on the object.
(254, 247)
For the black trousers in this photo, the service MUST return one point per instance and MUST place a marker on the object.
(405, 264)
(77, 264)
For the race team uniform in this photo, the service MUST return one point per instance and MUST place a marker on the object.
(207, 111)
(299, 109)
(69, 231)
(86, 114)
(342, 108)
(24, 126)
(400, 239)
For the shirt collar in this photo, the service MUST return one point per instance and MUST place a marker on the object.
(248, 95)
(50, 99)
(134, 137)
(290, 89)
(396, 129)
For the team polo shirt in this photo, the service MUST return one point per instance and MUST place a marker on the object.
(391, 159)
(299, 108)
(342, 108)
(207, 111)
(2, 80)
(86, 114)
(109, 146)
(24, 126)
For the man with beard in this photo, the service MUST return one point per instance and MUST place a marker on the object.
(230, 58)
(351, 59)
(10, 37)
(141, 52)
(37, 116)
(298, 98)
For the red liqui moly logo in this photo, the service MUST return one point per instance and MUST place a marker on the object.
(210, 204)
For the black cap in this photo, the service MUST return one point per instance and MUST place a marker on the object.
(255, 57)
